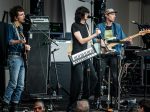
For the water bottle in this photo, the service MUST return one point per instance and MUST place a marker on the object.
(54, 93)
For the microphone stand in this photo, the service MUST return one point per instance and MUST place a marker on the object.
(92, 15)
(58, 86)
(109, 76)
(91, 3)
(109, 99)
(98, 67)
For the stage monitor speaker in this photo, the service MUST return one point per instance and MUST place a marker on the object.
(37, 72)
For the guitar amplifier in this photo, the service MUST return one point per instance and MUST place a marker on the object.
(39, 23)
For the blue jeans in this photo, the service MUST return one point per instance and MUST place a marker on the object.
(16, 82)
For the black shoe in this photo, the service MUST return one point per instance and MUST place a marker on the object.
(5, 107)
(13, 107)
(70, 108)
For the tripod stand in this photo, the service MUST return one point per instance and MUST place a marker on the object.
(58, 86)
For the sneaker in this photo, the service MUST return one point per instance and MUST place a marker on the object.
(13, 107)
(5, 107)
(70, 108)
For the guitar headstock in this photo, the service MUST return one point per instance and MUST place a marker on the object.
(144, 32)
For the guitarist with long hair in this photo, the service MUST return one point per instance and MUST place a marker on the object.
(16, 47)
(110, 31)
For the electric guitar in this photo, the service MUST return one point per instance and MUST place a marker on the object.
(25, 56)
(109, 47)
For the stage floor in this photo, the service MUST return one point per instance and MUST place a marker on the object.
(60, 105)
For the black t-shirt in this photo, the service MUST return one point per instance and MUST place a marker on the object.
(77, 47)
(108, 27)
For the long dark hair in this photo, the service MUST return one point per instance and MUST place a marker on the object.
(14, 12)
(80, 13)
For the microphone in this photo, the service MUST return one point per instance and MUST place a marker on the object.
(134, 22)
(28, 21)
(92, 17)
(139, 25)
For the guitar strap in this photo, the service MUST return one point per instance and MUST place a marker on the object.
(16, 31)
(115, 34)
(90, 42)
(18, 34)
(115, 31)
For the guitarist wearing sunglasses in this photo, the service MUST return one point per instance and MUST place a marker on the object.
(110, 31)
(16, 49)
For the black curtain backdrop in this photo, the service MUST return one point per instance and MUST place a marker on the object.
(3, 56)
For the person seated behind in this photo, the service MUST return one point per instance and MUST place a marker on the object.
(134, 109)
(82, 106)
(144, 106)
(39, 106)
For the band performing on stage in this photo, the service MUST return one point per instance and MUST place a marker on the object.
(103, 61)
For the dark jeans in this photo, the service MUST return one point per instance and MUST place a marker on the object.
(82, 81)
(102, 66)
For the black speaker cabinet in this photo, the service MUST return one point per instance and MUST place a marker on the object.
(37, 72)
(62, 76)
(3, 55)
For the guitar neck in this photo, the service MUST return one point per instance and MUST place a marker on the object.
(130, 37)
(123, 40)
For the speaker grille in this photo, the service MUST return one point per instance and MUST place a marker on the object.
(37, 65)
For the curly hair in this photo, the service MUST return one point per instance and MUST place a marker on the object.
(14, 12)
(80, 13)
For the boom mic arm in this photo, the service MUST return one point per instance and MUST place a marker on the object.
(139, 25)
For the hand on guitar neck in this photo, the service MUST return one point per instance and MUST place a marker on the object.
(108, 47)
